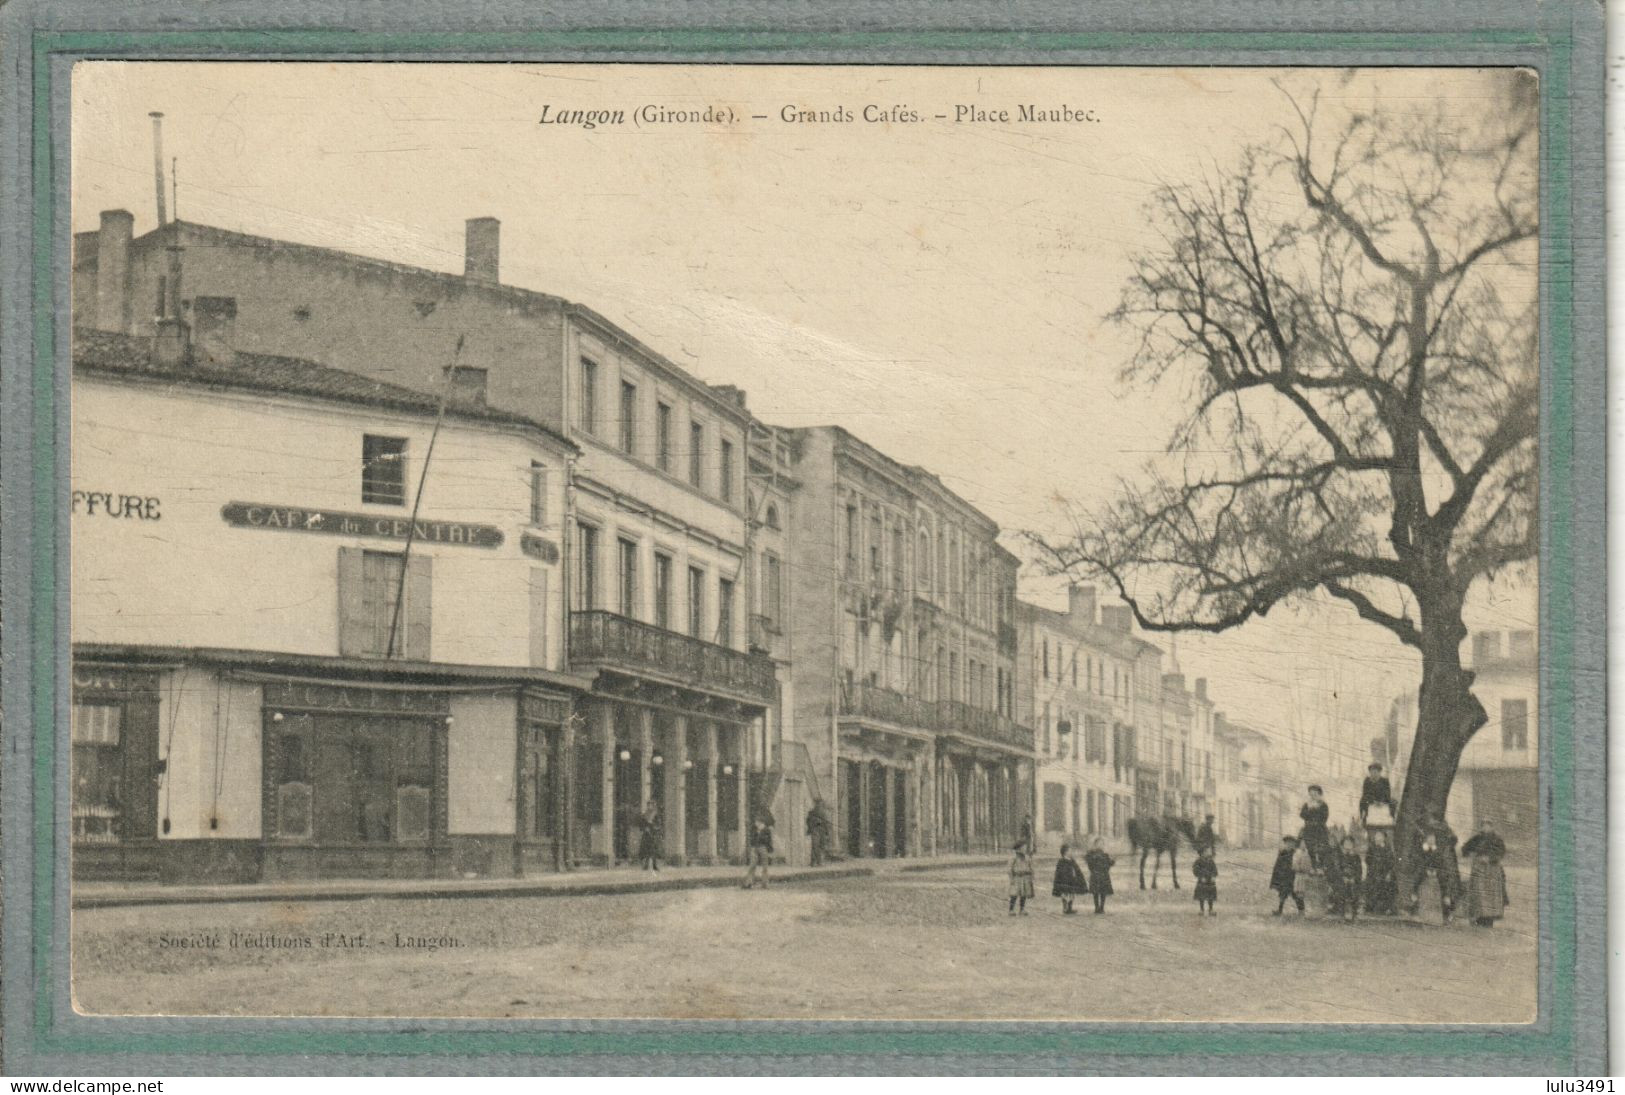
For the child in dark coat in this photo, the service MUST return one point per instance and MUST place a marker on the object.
(1343, 873)
(1207, 885)
(1380, 885)
(1284, 877)
(1069, 882)
(1100, 873)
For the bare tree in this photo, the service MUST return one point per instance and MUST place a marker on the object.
(1355, 318)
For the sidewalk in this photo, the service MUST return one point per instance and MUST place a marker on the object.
(589, 881)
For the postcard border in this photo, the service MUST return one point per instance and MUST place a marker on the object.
(1564, 1035)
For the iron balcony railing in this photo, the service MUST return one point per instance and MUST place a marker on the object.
(886, 705)
(600, 638)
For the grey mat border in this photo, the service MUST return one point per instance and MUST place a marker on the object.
(989, 41)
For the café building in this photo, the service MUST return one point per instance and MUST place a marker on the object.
(313, 635)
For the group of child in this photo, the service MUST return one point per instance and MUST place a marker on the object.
(1070, 882)
(1349, 882)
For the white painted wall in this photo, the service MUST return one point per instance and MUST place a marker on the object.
(189, 579)
(214, 720)
(481, 756)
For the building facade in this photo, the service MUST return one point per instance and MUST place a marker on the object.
(905, 650)
(1245, 803)
(359, 681)
(1498, 777)
(656, 534)
(1078, 685)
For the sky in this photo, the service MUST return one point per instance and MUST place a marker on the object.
(938, 287)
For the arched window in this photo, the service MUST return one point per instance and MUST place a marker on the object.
(772, 518)
(923, 566)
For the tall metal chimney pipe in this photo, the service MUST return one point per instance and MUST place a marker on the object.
(157, 117)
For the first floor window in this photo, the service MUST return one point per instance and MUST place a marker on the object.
(628, 578)
(696, 602)
(586, 593)
(383, 470)
(662, 590)
(725, 612)
(1514, 725)
(380, 614)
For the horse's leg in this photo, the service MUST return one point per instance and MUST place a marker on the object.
(1156, 869)
(1143, 853)
(1173, 866)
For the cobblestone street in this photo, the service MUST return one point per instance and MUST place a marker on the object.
(893, 946)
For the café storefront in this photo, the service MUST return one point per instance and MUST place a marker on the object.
(238, 767)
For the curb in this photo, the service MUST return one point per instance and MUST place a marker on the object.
(600, 887)
(961, 865)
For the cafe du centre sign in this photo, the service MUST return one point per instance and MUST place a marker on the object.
(339, 523)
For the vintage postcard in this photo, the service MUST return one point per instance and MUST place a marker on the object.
(581, 544)
(827, 544)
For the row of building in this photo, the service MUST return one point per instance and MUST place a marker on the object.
(384, 571)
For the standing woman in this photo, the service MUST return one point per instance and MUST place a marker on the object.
(1487, 886)
(1315, 814)
(1069, 882)
(651, 848)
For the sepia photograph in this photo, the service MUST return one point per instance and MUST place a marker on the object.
(806, 542)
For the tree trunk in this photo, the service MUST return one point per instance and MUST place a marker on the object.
(1448, 714)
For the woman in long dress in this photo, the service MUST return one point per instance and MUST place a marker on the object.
(1487, 885)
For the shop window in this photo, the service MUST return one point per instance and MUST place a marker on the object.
(383, 470)
(370, 586)
(98, 762)
(354, 780)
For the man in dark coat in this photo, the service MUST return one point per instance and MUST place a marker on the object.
(1375, 789)
(818, 832)
(1206, 838)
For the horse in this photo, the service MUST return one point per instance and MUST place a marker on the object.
(1149, 834)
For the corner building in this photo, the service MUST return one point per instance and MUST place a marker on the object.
(655, 536)
(905, 649)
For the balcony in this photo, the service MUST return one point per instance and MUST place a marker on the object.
(607, 640)
(874, 702)
(883, 704)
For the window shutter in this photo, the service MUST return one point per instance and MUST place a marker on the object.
(355, 626)
(538, 617)
(419, 569)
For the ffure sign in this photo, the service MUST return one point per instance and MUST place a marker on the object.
(337, 523)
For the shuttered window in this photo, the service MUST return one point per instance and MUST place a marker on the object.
(369, 586)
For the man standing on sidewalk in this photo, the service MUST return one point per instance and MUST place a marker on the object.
(818, 833)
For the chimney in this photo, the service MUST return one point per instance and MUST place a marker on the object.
(169, 345)
(1174, 681)
(113, 270)
(731, 392)
(1201, 688)
(1521, 645)
(480, 249)
(1080, 604)
(214, 330)
(1486, 648)
(1117, 618)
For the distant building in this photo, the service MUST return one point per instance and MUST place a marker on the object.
(905, 647)
(1079, 686)
(1246, 802)
(1499, 774)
